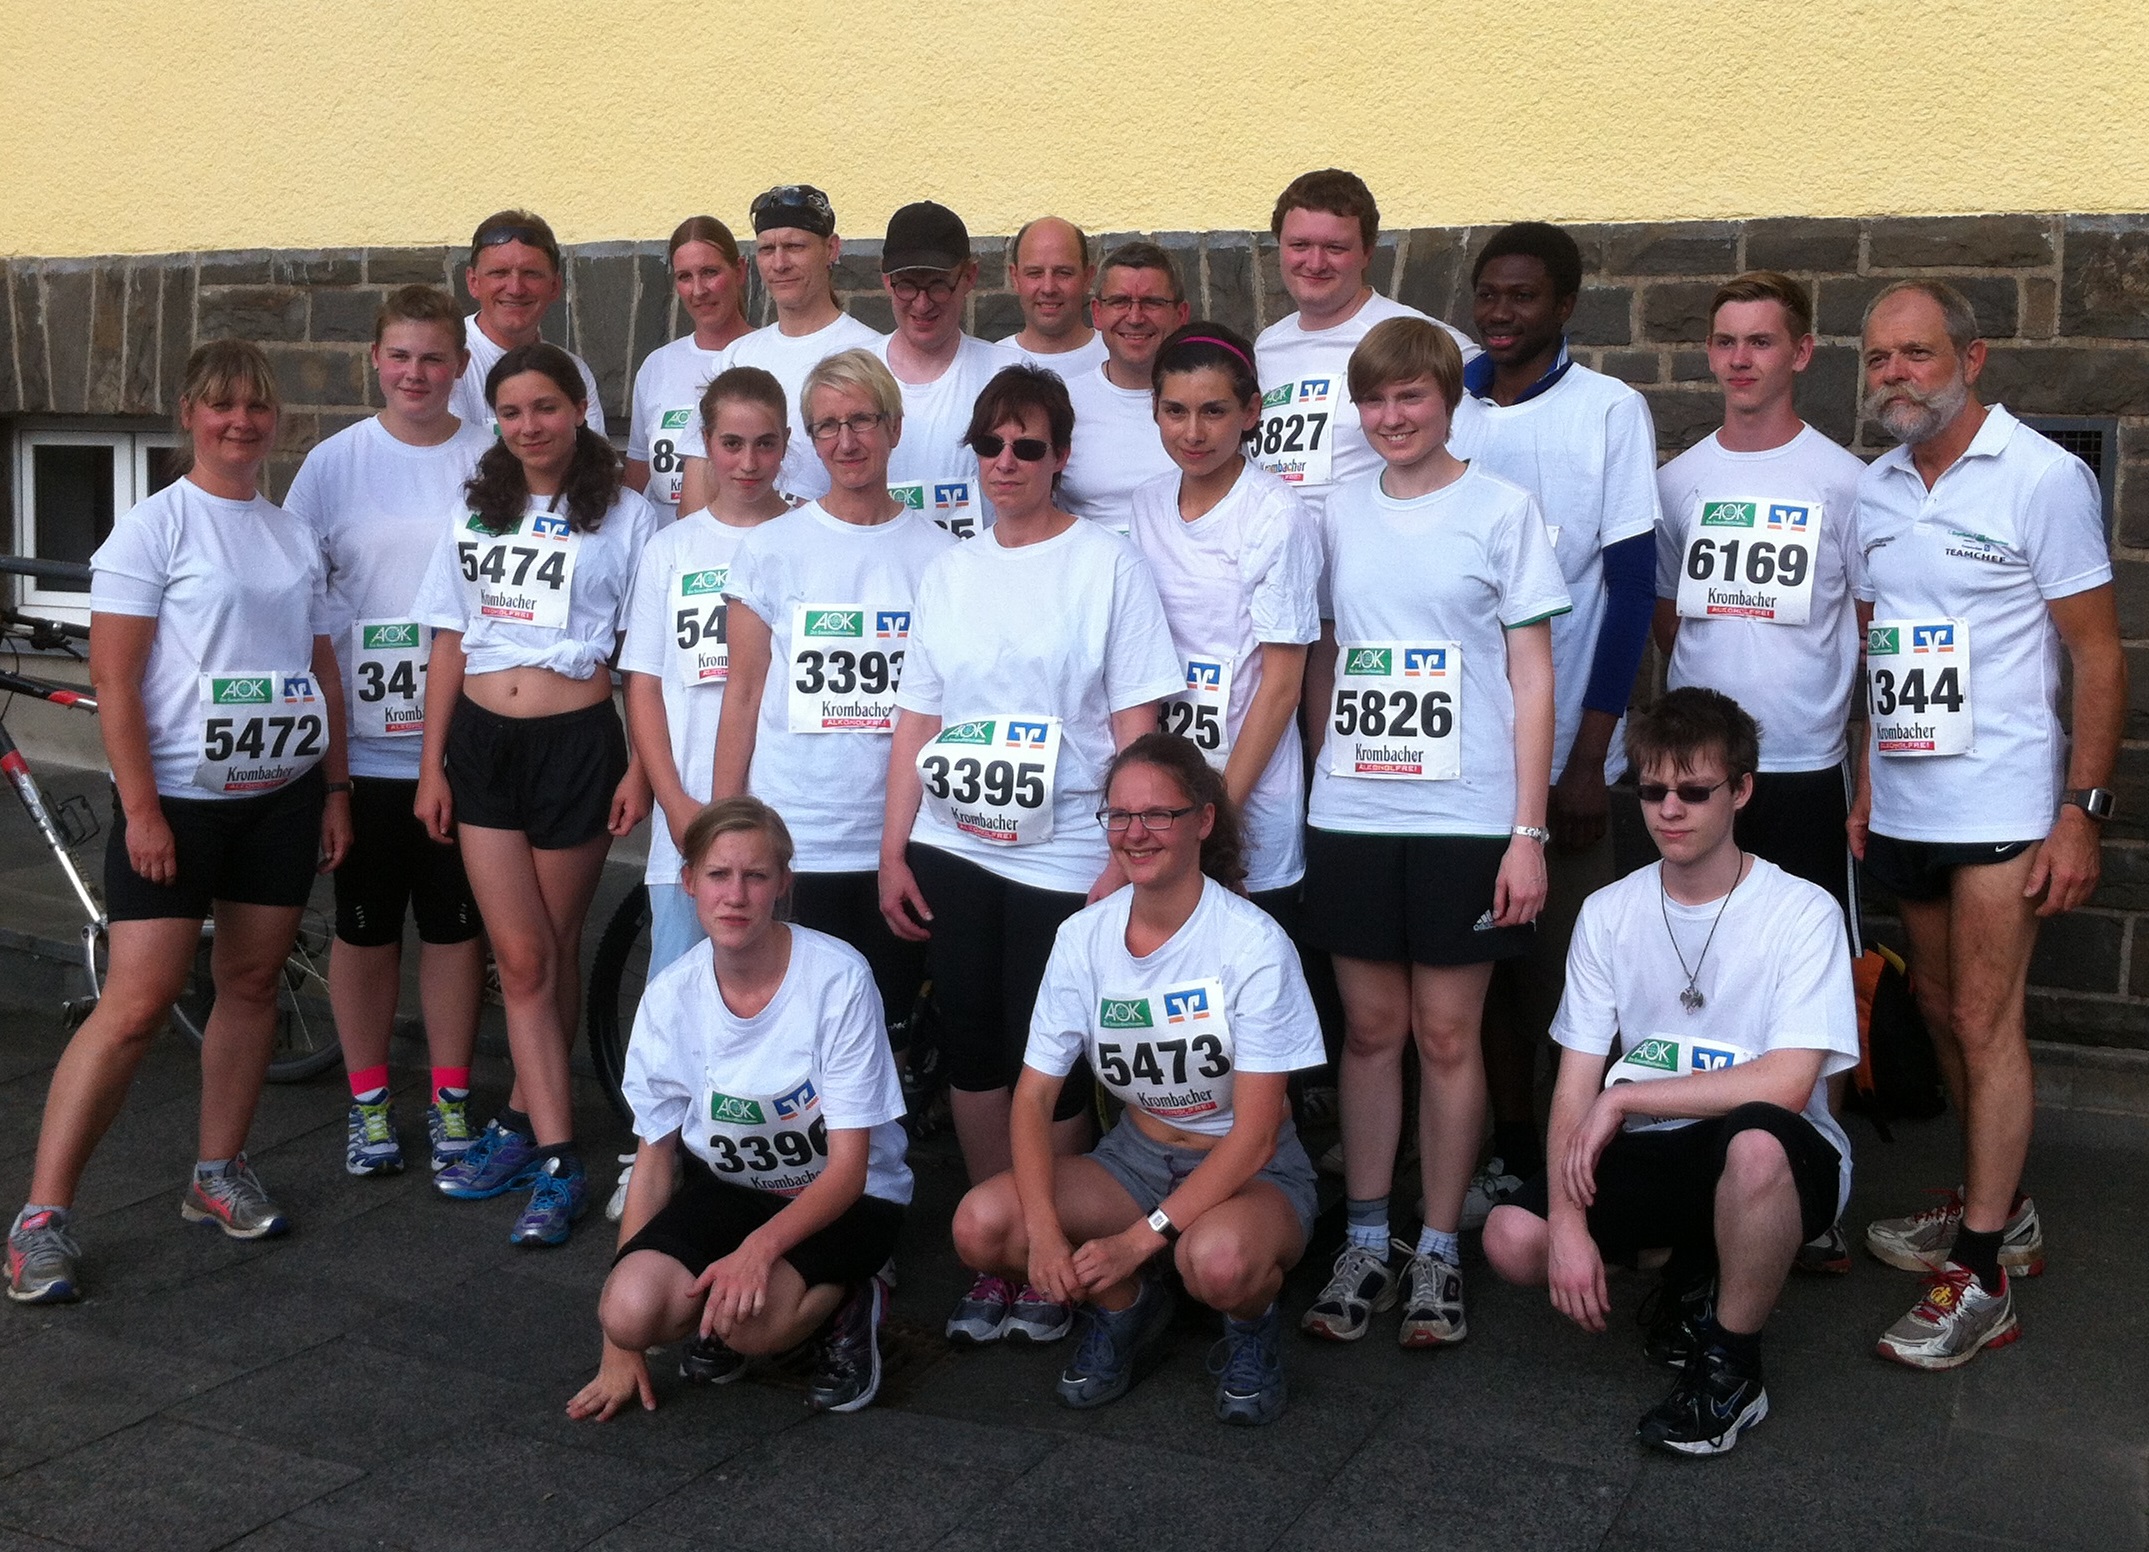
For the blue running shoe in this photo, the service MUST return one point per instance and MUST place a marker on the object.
(447, 1129)
(1114, 1342)
(369, 1141)
(1248, 1365)
(559, 1197)
(500, 1161)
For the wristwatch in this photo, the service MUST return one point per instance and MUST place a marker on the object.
(1163, 1225)
(1537, 833)
(2097, 802)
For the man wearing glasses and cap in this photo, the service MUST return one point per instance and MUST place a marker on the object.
(514, 276)
(795, 250)
(928, 270)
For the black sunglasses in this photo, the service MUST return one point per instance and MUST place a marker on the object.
(530, 236)
(1029, 449)
(1690, 793)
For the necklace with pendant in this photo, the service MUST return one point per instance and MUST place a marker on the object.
(1692, 999)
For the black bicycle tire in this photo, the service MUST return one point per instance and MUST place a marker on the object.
(609, 1022)
(304, 994)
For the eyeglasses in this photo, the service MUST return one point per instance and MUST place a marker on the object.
(938, 289)
(830, 429)
(1158, 305)
(1690, 793)
(1155, 820)
(987, 445)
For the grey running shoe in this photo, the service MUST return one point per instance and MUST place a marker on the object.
(1952, 1320)
(1827, 1252)
(1248, 1365)
(707, 1361)
(41, 1257)
(235, 1201)
(447, 1131)
(1362, 1285)
(1921, 1241)
(1493, 1184)
(981, 1314)
(1432, 1303)
(1036, 1318)
(847, 1375)
(1114, 1343)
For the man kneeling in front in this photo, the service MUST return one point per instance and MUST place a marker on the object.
(1723, 986)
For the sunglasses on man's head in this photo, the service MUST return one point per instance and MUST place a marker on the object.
(530, 236)
(1028, 449)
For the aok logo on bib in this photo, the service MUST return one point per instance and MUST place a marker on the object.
(1124, 1013)
(842, 681)
(666, 467)
(1918, 685)
(733, 1111)
(1752, 560)
(1394, 712)
(1655, 1057)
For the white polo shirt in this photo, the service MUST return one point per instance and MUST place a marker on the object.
(2014, 522)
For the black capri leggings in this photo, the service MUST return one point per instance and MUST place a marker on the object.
(991, 939)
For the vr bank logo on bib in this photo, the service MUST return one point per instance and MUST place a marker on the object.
(1202, 675)
(892, 624)
(1028, 735)
(1312, 388)
(1425, 662)
(547, 525)
(1191, 1003)
(1785, 518)
(1932, 638)
(951, 495)
(797, 1102)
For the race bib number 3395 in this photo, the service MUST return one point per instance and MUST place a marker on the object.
(992, 778)
(1396, 711)
(1751, 560)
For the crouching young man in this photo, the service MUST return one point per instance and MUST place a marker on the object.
(1723, 985)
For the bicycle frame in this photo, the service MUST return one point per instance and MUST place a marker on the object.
(17, 771)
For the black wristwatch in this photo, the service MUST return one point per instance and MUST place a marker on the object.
(2097, 802)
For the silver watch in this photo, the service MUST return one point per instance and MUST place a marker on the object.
(1537, 833)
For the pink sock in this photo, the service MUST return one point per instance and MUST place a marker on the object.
(367, 1080)
(456, 1078)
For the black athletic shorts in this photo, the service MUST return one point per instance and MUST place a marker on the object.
(991, 940)
(1922, 870)
(1416, 899)
(707, 1219)
(847, 906)
(552, 778)
(393, 865)
(1795, 820)
(1658, 1189)
(259, 850)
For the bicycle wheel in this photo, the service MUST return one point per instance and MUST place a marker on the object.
(615, 991)
(305, 1028)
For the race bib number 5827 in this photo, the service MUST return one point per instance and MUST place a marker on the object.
(1297, 424)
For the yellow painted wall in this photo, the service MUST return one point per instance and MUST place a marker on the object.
(137, 127)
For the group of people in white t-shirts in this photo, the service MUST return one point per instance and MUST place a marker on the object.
(1112, 679)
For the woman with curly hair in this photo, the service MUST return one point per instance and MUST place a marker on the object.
(525, 760)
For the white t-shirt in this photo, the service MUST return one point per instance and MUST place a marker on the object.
(666, 405)
(1796, 680)
(602, 577)
(468, 400)
(375, 506)
(678, 594)
(1312, 365)
(238, 589)
(1116, 448)
(831, 787)
(1169, 1031)
(1070, 364)
(2015, 522)
(1587, 450)
(1778, 977)
(789, 358)
(1243, 573)
(818, 1053)
(1464, 565)
(931, 471)
(1070, 628)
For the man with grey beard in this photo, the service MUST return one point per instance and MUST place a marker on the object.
(1985, 558)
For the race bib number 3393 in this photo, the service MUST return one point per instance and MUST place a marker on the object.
(1918, 685)
(1751, 560)
(846, 661)
(992, 778)
(1396, 711)
(526, 575)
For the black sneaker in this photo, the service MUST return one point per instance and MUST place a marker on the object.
(1672, 1317)
(707, 1361)
(847, 1374)
(1708, 1409)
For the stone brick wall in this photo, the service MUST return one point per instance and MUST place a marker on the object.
(2064, 301)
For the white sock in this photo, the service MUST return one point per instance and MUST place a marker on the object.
(1434, 1242)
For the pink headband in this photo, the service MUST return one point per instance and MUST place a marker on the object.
(1210, 339)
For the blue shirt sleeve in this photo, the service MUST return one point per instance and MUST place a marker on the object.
(1630, 581)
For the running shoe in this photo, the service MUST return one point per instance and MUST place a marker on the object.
(1362, 1285)
(1319, 1105)
(707, 1361)
(1035, 1318)
(1921, 1241)
(235, 1201)
(499, 1161)
(1672, 1317)
(1713, 1403)
(981, 1314)
(1114, 1343)
(1827, 1252)
(1493, 1184)
(369, 1141)
(447, 1129)
(1952, 1320)
(615, 1208)
(847, 1376)
(557, 1199)
(1432, 1303)
(41, 1257)
(1248, 1365)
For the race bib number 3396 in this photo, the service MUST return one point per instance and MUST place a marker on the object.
(1751, 560)
(1396, 711)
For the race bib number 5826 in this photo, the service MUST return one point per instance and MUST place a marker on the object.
(1396, 711)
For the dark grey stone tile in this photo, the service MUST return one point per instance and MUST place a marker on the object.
(32, 363)
(1829, 390)
(654, 309)
(1754, 1498)
(503, 1325)
(102, 392)
(145, 296)
(1276, 303)
(1802, 244)
(344, 315)
(602, 288)
(873, 309)
(250, 267)
(248, 1316)
(1231, 282)
(2104, 284)
(1630, 366)
(319, 374)
(253, 312)
(10, 383)
(66, 1387)
(412, 266)
(1402, 1483)
(1603, 315)
(1684, 415)
(1435, 274)
(1680, 248)
(15, 1541)
(1677, 311)
(289, 1535)
(995, 316)
(175, 332)
(337, 267)
(693, 1428)
(857, 267)
(165, 1485)
(1996, 300)
(2047, 381)
(481, 1489)
(1960, 242)
(68, 289)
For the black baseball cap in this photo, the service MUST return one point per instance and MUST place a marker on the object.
(925, 236)
(794, 204)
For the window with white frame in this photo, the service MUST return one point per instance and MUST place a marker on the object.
(69, 487)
